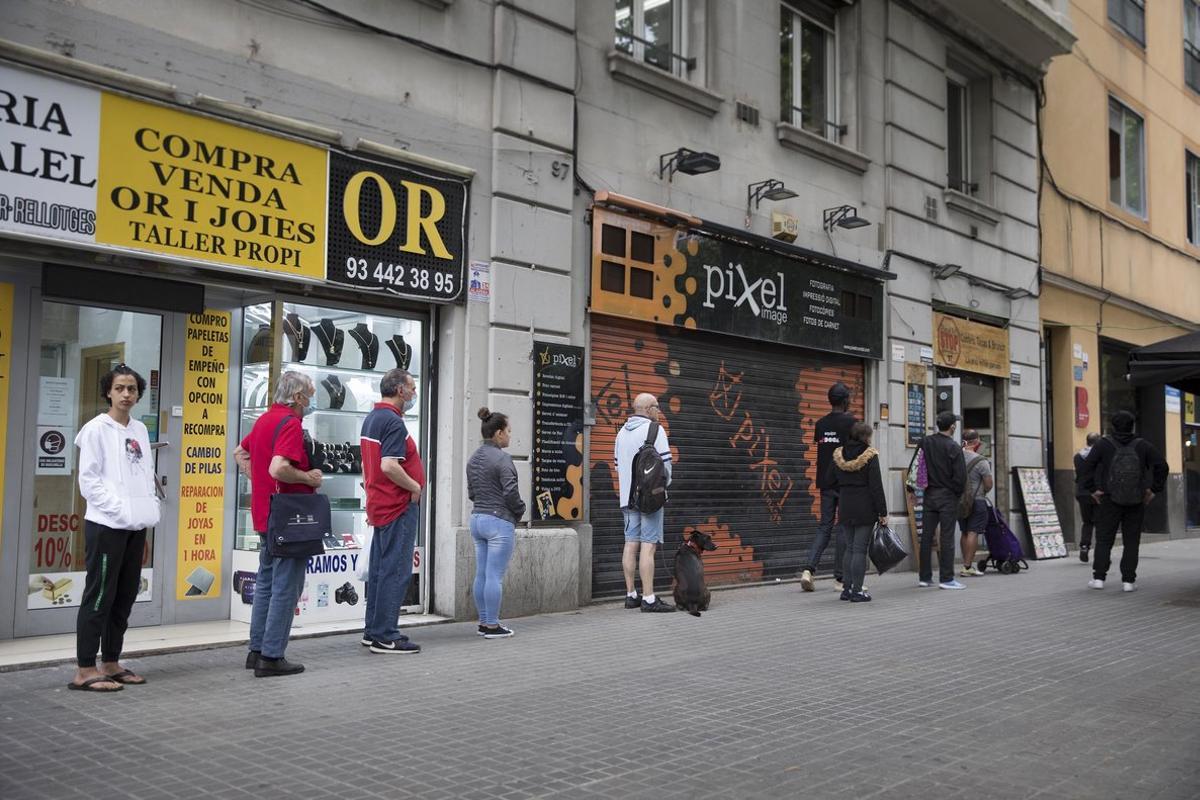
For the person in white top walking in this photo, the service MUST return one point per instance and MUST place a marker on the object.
(116, 479)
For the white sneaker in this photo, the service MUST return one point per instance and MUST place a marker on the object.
(951, 585)
(1095, 583)
(1128, 587)
(806, 581)
(923, 584)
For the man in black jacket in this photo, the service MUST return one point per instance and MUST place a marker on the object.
(1087, 505)
(947, 470)
(831, 432)
(1122, 473)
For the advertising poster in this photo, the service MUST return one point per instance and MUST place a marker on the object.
(479, 282)
(193, 187)
(396, 229)
(202, 473)
(916, 415)
(558, 396)
(55, 433)
(1045, 537)
(49, 155)
(65, 589)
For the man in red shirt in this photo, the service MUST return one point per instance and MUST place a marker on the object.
(394, 479)
(273, 457)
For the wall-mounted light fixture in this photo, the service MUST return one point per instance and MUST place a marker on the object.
(689, 162)
(943, 271)
(770, 189)
(843, 217)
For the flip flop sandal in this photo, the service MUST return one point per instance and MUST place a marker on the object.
(123, 677)
(90, 685)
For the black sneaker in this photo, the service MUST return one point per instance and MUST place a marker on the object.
(252, 659)
(268, 667)
(498, 632)
(1083, 553)
(658, 606)
(366, 640)
(860, 597)
(845, 594)
(404, 647)
(633, 602)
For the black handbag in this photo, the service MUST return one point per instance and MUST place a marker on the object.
(297, 523)
(886, 549)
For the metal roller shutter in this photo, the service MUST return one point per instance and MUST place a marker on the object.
(739, 415)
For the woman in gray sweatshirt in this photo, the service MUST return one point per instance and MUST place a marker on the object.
(492, 488)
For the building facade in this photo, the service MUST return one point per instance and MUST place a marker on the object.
(1121, 235)
(543, 207)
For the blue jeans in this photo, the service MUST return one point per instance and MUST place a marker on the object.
(276, 590)
(494, 539)
(389, 570)
(825, 528)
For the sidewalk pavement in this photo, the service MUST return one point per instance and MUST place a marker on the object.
(1024, 686)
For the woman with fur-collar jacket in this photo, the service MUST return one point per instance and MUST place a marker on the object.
(861, 504)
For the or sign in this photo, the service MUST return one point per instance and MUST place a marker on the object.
(898, 352)
(693, 279)
(1044, 531)
(202, 448)
(479, 281)
(1174, 400)
(558, 396)
(1189, 409)
(396, 229)
(55, 450)
(1077, 372)
(970, 346)
(1014, 374)
(48, 156)
(188, 186)
(916, 412)
(926, 355)
(6, 327)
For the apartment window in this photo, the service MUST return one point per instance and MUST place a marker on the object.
(958, 135)
(627, 264)
(653, 31)
(808, 68)
(1129, 16)
(1191, 43)
(1126, 159)
(1192, 198)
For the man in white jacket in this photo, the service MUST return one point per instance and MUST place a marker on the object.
(643, 531)
(116, 479)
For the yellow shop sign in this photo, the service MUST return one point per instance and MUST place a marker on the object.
(970, 346)
(189, 186)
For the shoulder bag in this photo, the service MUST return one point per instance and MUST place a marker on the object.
(297, 522)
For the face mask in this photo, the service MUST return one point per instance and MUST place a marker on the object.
(306, 409)
(409, 404)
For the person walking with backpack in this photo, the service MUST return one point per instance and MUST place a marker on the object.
(973, 507)
(831, 432)
(643, 460)
(856, 476)
(1087, 504)
(1122, 473)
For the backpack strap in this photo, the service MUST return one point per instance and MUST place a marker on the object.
(274, 439)
(652, 433)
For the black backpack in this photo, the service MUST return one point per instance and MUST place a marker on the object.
(648, 477)
(1126, 477)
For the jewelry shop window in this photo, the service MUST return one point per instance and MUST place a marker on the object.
(346, 353)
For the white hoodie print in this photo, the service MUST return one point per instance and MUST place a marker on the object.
(116, 474)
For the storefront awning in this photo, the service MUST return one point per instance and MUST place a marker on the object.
(1174, 362)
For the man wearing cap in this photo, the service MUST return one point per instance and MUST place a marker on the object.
(947, 469)
(831, 432)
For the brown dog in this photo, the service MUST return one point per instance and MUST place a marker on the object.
(691, 593)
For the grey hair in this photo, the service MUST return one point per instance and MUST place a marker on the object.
(290, 384)
(393, 381)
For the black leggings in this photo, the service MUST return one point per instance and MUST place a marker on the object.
(114, 572)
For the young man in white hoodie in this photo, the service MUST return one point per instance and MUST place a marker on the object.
(117, 481)
(643, 532)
